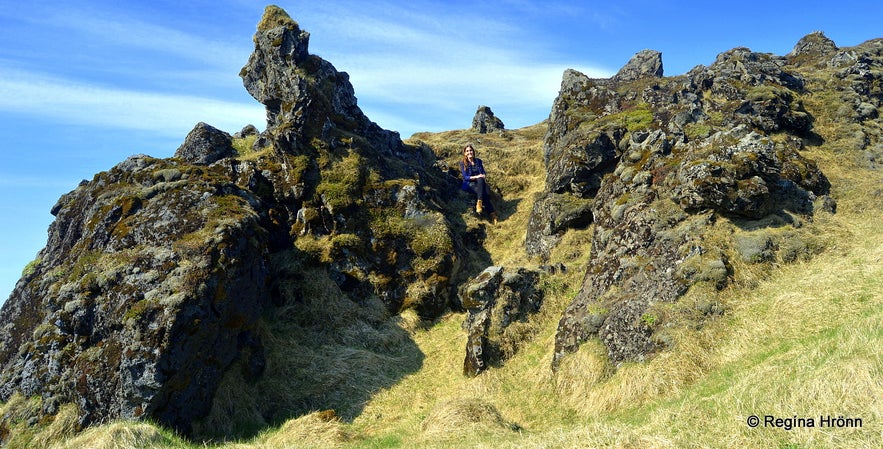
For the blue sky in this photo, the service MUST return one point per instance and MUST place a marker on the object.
(86, 83)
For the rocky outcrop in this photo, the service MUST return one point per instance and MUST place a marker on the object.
(500, 301)
(551, 216)
(576, 161)
(652, 162)
(159, 275)
(752, 178)
(578, 156)
(649, 245)
(645, 63)
(246, 131)
(812, 47)
(305, 96)
(485, 121)
(205, 144)
(149, 287)
(342, 176)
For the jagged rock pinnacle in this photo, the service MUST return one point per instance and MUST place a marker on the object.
(275, 17)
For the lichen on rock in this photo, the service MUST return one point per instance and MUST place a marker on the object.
(723, 142)
(499, 301)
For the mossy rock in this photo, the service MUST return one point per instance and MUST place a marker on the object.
(710, 266)
(755, 247)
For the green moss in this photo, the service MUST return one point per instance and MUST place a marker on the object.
(89, 284)
(623, 199)
(136, 311)
(767, 92)
(426, 234)
(715, 117)
(275, 17)
(298, 166)
(570, 205)
(84, 265)
(711, 268)
(43, 331)
(342, 182)
(638, 118)
(227, 206)
(315, 248)
(430, 235)
(31, 267)
(697, 130)
(341, 242)
(244, 146)
(597, 309)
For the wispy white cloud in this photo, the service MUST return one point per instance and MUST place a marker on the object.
(503, 82)
(520, 94)
(114, 29)
(402, 59)
(440, 59)
(75, 102)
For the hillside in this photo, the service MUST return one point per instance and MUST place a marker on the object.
(797, 342)
(316, 290)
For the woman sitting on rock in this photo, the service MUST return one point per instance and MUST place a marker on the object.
(474, 181)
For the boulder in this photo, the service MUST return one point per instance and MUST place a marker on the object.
(485, 121)
(742, 64)
(577, 164)
(752, 178)
(644, 64)
(246, 131)
(205, 144)
(142, 300)
(813, 46)
(551, 216)
(499, 301)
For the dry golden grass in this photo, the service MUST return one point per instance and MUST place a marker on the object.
(798, 341)
(120, 435)
(464, 415)
(802, 340)
(317, 429)
(805, 342)
(514, 162)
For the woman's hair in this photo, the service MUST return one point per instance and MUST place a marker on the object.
(465, 161)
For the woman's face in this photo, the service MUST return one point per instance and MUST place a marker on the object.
(469, 152)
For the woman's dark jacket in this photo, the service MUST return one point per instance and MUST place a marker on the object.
(470, 170)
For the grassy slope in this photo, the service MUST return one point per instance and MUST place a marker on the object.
(802, 341)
